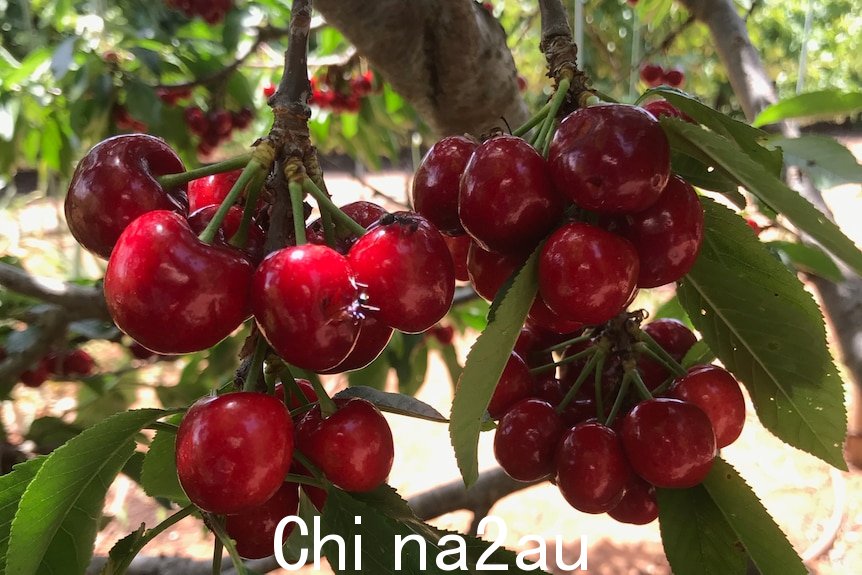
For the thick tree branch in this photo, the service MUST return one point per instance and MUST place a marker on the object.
(79, 302)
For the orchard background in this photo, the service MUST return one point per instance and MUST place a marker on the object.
(389, 80)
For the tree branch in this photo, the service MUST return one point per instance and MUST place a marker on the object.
(51, 322)
(79, 302)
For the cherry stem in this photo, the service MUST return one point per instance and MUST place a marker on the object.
(169, 181)
(663, 387)
(328, 228)
(260, 350)
(218, 548)
(658, 353)
(304, 480)
(567, 343)
(289, 383)
(152, 533)
(534, 121)
(621, 394)
(241, 236)
(217, 528)
(327, 406)
(309, 466)
(325, 203)
(249, 173)
(295, 189)
(643, 390)
(597, 382)
(582, 377)
(565, 360)
(546, 133)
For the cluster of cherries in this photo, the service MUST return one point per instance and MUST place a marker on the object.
(125, 122)
(62, 364)
(655, 75)
(333, 90)
(212, 11)
(215, 126)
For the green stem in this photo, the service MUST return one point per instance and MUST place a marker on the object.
(567, 343)
(295, 189)
(534, 121)
(151, 534)
(665, 385)
(162, 426)
(248, 174)
(304, 480)
(327, 406)
(218, 548)
(328, 228)
(260, 350)
(217, 528)
(661, 355)
(301, 410)
(643, 390)
(289, 384)
(600, 400)
(556, 102)
(309, 466)
(589, 351)
(241, 236)
(621, 394)
(573, 391)
(326, 204)
(169, 181)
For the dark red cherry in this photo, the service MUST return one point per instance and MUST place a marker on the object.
(541, 315)
(587, 274)
(78, 363)
(717, 393)
(459, 246)
(438, 180)
(36, 376)
(674, 78)
(170, 291)
(115, 183)
(406, 270)
(254, 529)
(294, 402)
(234, 450)
(374, 335)
(211, 190)
(667, 235)
(364, 213)
(515, 383)
(662, 108)
(670, 443)
(651, 74)
(352, 447)
(529, 346)
(304, 300)
(490, 270)
(638, 506)
(591, 468)
(610, 158)
(507, 202)
(526, 440)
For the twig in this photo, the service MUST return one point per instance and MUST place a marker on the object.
(668, 40)
(79, 302)
(51, 321)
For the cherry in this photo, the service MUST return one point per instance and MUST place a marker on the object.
(591, 468)
(36, 376)
(305, 300)
(115, 183)
(587, 274)
(674, 77)
(638, 506)
(437, 182)
(507, 202)
(364, 213)
(667, 235)
(170, 291)
(526, 440)
(234, 450)
(269, 89)
(540, 314)
(490, 270)
(529, 344)
(669, 442)
(717, 393)
(140, 352)
(254, 529)
(76, 363)
(196, 120)
(675, 338)
(515, 383)
(294, 402)
(444, 335)
(373, 339)
(407, 271)
(352, 447)
(651, 74)
(211, 190)
(610, 158)
(755, 227)
(660, 108)
(459, 246)
(550, 389)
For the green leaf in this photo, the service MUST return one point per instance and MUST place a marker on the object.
(485, 364)
(55, 526)
(808, 259)
(768, 331)
(698, 354)
(674, 310)
(12, 487)
(697, 174)
(408, 354)
(824, 103)
(770, 189)
(453, 366)
(395, 403)
(159, 474)
(119, 553)
(49, 433)
(821, 157)
(372, 375)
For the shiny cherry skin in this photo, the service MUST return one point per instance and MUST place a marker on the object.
(540, 314)
(459, 246)
(211, 190)
(507, 202)
(406, 270)
(526, 439)
(363, 213)
(171, 292)
(353, 447)
(578, 410)
(717, 393)
(587, 274)
(591, 468)
(667, 235)
(675, 338)
(254, 529)
(233, 451)
(294, 402)
(669, 443)
(515, 383)
(651, 74)
(610, 158)
(373, 338)
(490, 270)
(438, 181)
(529, 346)
(255, 240)
(638, 506)
(115, 183)
(304, 300)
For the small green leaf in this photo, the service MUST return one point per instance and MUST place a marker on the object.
(699, 354)
(697, 174)
(453, 366)
(674, 310)
(57, 519)
(823, 103)
(395, 403)
(408, 354)
(372, 375)
(821, 157)
(485, 364)
(119, 553)
(809, 259)
(12, 487)
(159, 474)
(49, 433)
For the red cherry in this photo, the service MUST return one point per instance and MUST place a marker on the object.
(675, 338)
(638, 506)
(242, 119)
(459, 246)
(754, 226)
(140, 352)
(196, 120)
(531, 340)
(526, 440)
(651, 74)
(591, 468)
(667, 235)
(515, 383)
(373, 338)
(507, 202)
(407, 270)
(522, 83)
(294, 402)
(717, 393)
(363, 213)
(78, 363)
(211, 190)
(610, 158)
(587, 274)
(669, 442)
(254, 529)
(443, 334)
(437, 182)
(674, 78)
(115, 183)
(222, 121)
(352, 447)
(35, 377)
(488, 271)
(304, 300)
(541, 315)
(660, 108)
(170, 291)
(233, 451)
(269, 89)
